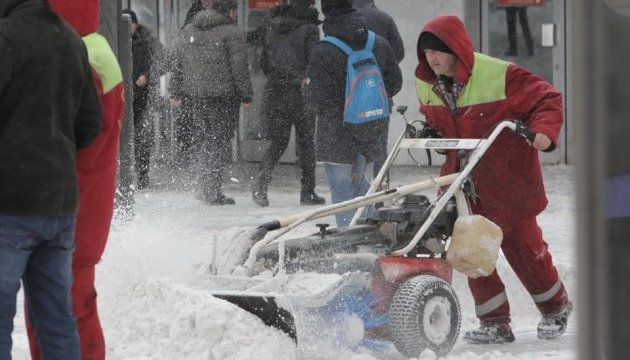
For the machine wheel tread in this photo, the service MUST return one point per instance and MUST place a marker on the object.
(408, 309)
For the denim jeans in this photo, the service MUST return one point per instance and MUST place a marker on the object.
(38, 250)
(346, 182)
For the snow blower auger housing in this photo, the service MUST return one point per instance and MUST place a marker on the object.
(388, 278)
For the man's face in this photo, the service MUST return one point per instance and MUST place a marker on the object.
(206, 4)
(441, 63)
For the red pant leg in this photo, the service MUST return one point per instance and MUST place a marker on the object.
(89, 326)
(527, 254)
(530, 259)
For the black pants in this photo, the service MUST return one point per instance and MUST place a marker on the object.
(521, 11)
(143, 133)
(187, 132)
(284, 109)
(217, 119)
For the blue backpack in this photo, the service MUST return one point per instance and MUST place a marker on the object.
(366, 96)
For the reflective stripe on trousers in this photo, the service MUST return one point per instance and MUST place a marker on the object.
(549, 294)
(491, 304)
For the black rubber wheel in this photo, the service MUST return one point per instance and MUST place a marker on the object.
(424, 313)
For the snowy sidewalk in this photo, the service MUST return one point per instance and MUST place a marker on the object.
(150, 282)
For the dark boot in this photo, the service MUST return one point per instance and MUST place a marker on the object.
(311, 198)
(259, 195)
(552, 326)
(490, 334)
(219, 199)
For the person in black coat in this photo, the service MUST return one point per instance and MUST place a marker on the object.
(288, 41)
(49, 108)
(381, 23)
(348, 156)
(147, 56)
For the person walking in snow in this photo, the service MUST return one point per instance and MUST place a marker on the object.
(464, 94)
(49, 108)
(291, 36)
(382, 24)
(186, 134)
(211, 70)
(348, 154)
(147, 56)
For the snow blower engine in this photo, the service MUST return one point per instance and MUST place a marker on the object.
(339, 250)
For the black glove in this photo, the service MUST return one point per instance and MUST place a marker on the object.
(428, 132)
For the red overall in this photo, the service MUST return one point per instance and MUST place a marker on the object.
(96, 170)
(508, 179)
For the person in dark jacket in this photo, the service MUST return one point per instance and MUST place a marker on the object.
(288, 42)
(382, 24)
(211, 71)
(49, 108)
(348, 157)
(186, 134)
(147, 56)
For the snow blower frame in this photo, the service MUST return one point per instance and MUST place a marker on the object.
(391, 274)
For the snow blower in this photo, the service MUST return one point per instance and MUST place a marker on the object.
(385, 279)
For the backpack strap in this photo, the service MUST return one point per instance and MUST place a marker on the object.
(369, 44)
(338, 43)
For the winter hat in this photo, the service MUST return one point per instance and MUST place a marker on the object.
(328, 5)
(428, 40)
(223, 7)
(132, 14)
(82, 15)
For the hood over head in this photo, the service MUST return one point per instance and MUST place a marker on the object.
(284, 19)
(329, 5)
(82, 15)
(347, 25)
(450, 31)
(209, 18)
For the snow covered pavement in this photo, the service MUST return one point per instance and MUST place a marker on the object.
(153, 303)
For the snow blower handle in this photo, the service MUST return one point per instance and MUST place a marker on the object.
(524, 131)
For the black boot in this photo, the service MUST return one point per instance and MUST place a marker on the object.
(259, 195)
(219, 199)
(311, 198)
(552, 326)
(490, 334)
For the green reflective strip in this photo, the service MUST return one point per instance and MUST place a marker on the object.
(103, 61)
(486, 84)
(488, 80)
(426, 95)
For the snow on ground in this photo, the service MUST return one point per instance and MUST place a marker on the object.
(152, 281)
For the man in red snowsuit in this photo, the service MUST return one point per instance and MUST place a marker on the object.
(96, 170)
(464, 94)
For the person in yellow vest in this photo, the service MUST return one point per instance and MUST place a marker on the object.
(96, 171)
(464, 94)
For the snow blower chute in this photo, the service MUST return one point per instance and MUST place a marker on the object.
(384, 279)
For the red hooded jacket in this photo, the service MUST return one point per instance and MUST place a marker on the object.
(96, 164)
(508, 178)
